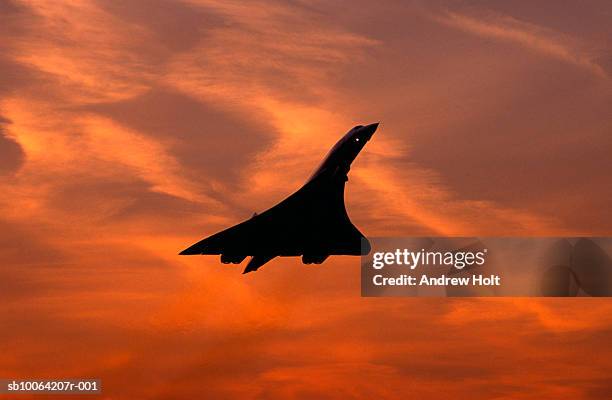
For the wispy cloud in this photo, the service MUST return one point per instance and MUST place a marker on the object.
(530, 36)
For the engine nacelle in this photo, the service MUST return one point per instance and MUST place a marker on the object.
(314, 258)
(231, 259)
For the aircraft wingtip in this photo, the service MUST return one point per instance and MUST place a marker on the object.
(189, 252)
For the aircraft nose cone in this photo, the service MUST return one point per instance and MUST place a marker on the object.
(370, 129)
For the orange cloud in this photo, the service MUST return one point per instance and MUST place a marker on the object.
(530, 36)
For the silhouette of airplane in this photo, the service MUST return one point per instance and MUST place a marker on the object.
(311, 223)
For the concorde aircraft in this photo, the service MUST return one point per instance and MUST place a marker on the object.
(311, 223)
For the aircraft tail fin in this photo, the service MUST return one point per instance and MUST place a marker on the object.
(255, 262)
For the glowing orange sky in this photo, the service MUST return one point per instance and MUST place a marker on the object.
(130, 129)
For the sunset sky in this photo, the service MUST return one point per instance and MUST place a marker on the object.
(131, 129)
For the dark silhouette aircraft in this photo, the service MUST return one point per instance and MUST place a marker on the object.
(311, 223)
